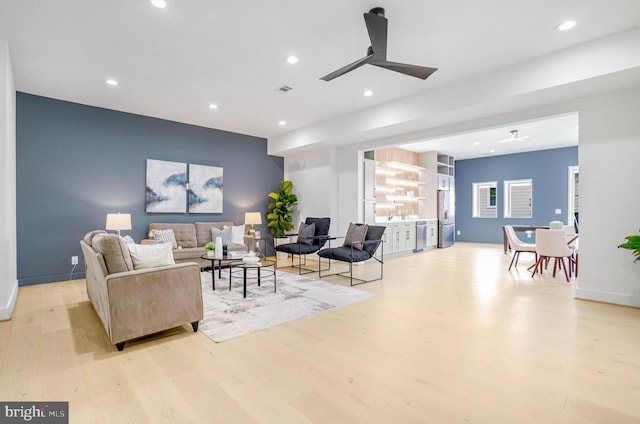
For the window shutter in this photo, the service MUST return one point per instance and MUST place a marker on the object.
(520, 200)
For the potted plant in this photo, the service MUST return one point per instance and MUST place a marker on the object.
(633, 244)
(210, 247)
(281, 212)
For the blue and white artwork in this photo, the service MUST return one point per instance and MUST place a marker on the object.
(205, 189)
(166, 190)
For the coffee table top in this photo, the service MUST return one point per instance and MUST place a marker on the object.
(223, 258)
(262, 263)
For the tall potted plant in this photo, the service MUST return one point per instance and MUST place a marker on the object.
(281, 212)
(633, 244)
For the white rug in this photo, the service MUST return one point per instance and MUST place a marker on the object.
(228, 315)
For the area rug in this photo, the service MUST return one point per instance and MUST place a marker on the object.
(228, 315)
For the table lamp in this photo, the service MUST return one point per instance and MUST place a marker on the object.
(252, 218)
(118, 221)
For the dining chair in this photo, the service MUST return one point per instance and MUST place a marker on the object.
(518, 245)
(552, 244)
(572, 241)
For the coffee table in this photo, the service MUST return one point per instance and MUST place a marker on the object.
(256, 266)
(213, 260)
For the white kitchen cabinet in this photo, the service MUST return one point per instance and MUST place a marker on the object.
(399, 237)
(406, 237)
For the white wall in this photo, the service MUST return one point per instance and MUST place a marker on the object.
(8, 246)
(609, 158)
(326, 183)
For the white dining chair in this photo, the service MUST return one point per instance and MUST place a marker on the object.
(552, 244)
(518, 245)
(572, 241)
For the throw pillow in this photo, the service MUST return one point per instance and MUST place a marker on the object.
(237, 234)
(128, 239)
(355, 235)
(166, 236)
(151, 255)
(305, 231)
(225, 234)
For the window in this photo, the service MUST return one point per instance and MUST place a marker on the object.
(485, 200)
(517, 199)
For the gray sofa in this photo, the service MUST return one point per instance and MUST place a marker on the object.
(191, 238)
(136, 302)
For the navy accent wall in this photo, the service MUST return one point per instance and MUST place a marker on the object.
(76, 163)
(547, 168)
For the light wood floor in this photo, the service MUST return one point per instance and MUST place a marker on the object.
(450, 337)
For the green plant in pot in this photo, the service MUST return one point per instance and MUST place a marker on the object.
(210, 247)
(633, 244)
(281, 209)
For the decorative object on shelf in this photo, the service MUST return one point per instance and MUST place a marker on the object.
(210, 247)
(250, 259)
(633, 244)
(166, 187)
(252, 218)
(281, 209)
(205, 189)
(118, 221)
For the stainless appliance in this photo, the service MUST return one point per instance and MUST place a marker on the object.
(446, 225)
(421, 236)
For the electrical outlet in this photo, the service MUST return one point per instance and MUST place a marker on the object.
(458, 233)
(558, 211)
(74, 260)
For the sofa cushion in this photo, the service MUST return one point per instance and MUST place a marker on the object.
(237, 234)
(306, 232)
(188, 253)
(203, 230)
(166, 236)
(224, 234)
(114, 251)
(151, 255)
(185, 234)
(355, 236)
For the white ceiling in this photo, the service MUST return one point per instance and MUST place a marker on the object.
(172, 63)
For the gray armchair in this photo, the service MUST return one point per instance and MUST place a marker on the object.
(356, 252)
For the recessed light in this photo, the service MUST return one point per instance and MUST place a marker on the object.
(566, 25)
(111, 81)
(492, 151)
(213, 106)
(476, 143)
(282, 123)
(368, 93)
(292, 60)
(160, 4)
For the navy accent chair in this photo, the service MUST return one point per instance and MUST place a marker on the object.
(320, 237)
(351, 255)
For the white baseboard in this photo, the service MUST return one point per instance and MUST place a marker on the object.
(6, 310)
(608, 297)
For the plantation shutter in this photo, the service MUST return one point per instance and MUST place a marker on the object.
(484, 210)
(520, 196)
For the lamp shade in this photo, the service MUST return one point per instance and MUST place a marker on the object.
(118, 221)
(252, 218)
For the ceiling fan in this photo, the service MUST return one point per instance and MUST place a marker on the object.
(377, 52)
(514, 137)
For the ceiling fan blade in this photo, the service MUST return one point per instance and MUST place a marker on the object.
(350, 67)
(421, 72)
(377, 28)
